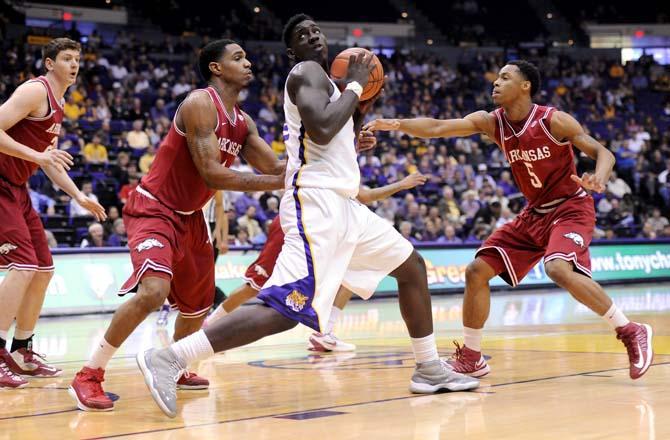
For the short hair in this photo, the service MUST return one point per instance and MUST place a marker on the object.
(211, 52)
(56, 46)
(290, 25)
(530, 72)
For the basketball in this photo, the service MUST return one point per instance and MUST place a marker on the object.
(338, 70)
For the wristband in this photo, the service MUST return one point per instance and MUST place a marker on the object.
(355, 87)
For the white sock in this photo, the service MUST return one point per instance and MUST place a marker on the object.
(101, 355)
(335, 313)
(615, 317)
(425, 349)
(472, 338)
(21, 334)
(193, 347)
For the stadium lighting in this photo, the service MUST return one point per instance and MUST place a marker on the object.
(257, 9)
(429, 41)
(550, 15)
(404, 14)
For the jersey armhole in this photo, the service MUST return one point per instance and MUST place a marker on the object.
(547, 126)
(50, 109)
(174, 120)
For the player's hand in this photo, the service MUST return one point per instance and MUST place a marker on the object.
(590, 182)
(365, 106)
(92, 206)
(359, 69)
(366, 141)
(54, 158)
(382, 125)
(414, 179)
(220, 239)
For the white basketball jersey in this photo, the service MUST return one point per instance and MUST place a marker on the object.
(310, 165)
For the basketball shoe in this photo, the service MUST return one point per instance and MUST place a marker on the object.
(430, 377)
(328, 342)
(163, 314)
(8, 378)
(161, 370)
(470, 362)
(29, 363)
(86, 389)
(637, 338)
(191, 381)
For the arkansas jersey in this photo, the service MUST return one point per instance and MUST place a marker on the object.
(36, 133)
(541, 164)
(174, 179)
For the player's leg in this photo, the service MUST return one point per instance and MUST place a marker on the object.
(509, 252)
(236, 298)
(327, 341)
(568, 264)
(291, 295)
(382, 251)
(19, 259)
(30, 363)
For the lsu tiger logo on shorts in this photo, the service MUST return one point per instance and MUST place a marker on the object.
(579, 241)
(148, 244)
(296, 301)
(7, 248)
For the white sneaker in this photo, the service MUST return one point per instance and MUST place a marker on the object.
(328, 342)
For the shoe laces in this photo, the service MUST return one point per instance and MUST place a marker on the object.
(628, 340)
(188, 374)
(7, 371)
(31, 355)
(177, 370)
(458, 355)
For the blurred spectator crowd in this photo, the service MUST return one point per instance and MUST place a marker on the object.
(124, 100)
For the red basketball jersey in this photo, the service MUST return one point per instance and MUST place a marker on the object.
(541, 164)
(36, 133)
(174, 179)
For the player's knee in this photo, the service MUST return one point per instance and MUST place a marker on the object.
(152, 294)
(477, 272)
(558, 270)
(412, 269)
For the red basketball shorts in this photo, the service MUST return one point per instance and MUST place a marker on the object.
(260, 270)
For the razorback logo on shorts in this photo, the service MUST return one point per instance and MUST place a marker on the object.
(7, 248)
(148, 244)
(261, 271)
(579, 241)
(296, 301)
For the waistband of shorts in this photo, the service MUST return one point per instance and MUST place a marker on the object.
(546, 208)
(147, 194)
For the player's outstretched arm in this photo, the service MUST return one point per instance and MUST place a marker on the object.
(565, 127)
(474, 123)
(367, 196)
(309, 88)
(258, 153)
(198, 115)
(25, 100)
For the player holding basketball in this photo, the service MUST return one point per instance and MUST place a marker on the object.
(30, 121)
(167, 233)
(261, 269)
(558, 221)
(330, 238)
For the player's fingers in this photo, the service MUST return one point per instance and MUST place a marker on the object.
(64, 154)
(370, 126)
(576, 178)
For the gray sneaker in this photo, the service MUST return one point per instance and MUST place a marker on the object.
(161, 370)
(432, 376)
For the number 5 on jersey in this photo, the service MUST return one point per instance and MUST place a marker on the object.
(534, 180)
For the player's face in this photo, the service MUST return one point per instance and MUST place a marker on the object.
(308, 43)
(235, 66)
(509, 86)
(66, 65)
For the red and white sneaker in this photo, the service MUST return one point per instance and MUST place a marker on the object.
(32, 364)
(8, 378)
(470, 362)
(191, 381)
(637, 338)
(86, 389)
(328, 342)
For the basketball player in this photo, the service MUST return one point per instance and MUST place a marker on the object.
(558, 221)
(30, 121)
(260, 270)
(167, 233)
(330, 237)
